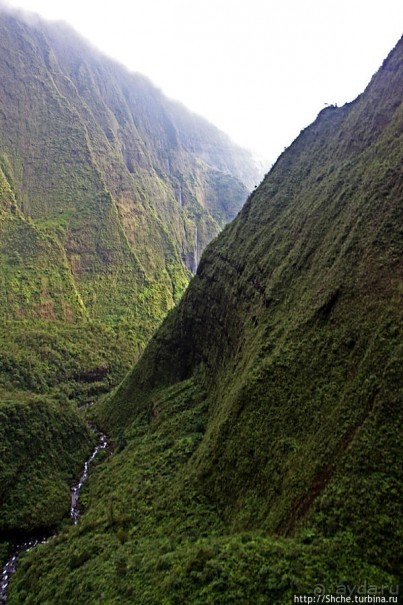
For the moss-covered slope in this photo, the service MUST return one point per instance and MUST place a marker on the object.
(43, 444)
(294, 325)
(115, 190)
(104, 185)
(123, 176)
(108, 194)
(259, 436)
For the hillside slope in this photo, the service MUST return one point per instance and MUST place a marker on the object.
(42, 442)
(131, 185)
(259, 436)
(108, 194)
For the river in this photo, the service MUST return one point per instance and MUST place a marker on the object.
(31, 541)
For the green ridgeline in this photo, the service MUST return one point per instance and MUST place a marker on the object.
(103, 182)
(258, 439)
(104, 185)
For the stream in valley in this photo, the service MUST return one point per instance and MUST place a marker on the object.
(29, 542)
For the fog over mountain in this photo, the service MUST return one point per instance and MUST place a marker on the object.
(255, 444)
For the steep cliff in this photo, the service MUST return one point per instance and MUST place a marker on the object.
(122, 187)
(91, 147)
(108, 194)
(259, 436)
(292, 328)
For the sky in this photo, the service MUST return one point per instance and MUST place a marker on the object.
(261, 70)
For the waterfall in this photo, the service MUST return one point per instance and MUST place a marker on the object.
(196, 252)
(76, 489)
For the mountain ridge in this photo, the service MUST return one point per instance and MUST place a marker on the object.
(99, 236)
(257, 439)
(84, 148)
(99, 125)
(292, 325)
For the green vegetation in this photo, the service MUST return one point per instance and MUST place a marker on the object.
(79, 361)
(150, 536)
(258, 444)
(95, 244)
(43, 444)
(92, 227)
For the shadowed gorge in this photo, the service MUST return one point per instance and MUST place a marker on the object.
(108, 194)
(257, 441)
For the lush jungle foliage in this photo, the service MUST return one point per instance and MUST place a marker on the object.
(104, 185)
(258, 439)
